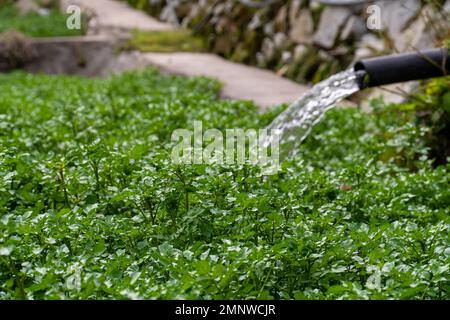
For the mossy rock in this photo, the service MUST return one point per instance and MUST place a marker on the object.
(325, 70)
(307, 66)
(15, 51)
(240, 54)
(165, 41)
(246, 50)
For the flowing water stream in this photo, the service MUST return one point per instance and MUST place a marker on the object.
(296, 122)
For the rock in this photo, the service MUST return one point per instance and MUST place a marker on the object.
(371, 41)
(415, 37)
(87, 56)
(220, 24)
(396, 15)
(269, 29)
(218, 9)
(294, 10)
(256, 21)
(323, 55)
(331, 21)
(422, 32)
(315, 5)
(286, 57)
(299, 52)
(229, 8)
(340, 51)
(302, 28)
(281, 19)
(169, 15)
(369, 46)
(15, 50)
(279, 40)
(268, 48)
(359, 8)
(354, 29)
(183, 9)
(361, 53)
(27, 6)
(208, 7)
(260, 60)
(447, 6)
(193, 13)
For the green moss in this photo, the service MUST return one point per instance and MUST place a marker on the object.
(241, 53)
(325, 70)
(165, 41)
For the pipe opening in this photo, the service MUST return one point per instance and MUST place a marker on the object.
(403, 67)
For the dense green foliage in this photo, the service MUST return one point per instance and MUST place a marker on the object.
(35, 25)
(432, 107)
(92, 207)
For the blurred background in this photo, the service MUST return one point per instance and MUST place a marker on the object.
(303, 40)
(307, 40)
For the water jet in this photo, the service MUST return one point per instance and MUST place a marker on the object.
(295, 124)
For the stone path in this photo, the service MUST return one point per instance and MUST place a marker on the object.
(240, 82)
(111, 14)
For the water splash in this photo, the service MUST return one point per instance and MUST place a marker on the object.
(295, 124)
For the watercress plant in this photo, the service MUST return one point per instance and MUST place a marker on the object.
(91, 206)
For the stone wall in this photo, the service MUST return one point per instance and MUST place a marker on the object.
(83, 56)
(306, 40)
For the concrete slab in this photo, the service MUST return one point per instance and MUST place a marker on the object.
(240, 82)
(84, 56)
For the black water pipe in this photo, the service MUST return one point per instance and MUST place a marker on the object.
(391, 69)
